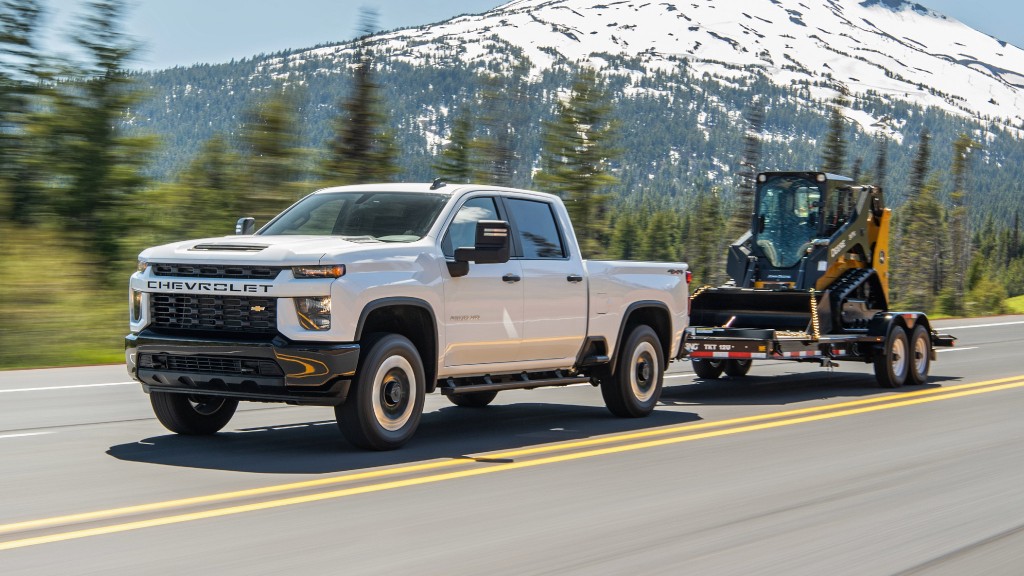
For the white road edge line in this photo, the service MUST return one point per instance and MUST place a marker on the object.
(67, 387)
(957, 349)
(2, 436)
(981, 325)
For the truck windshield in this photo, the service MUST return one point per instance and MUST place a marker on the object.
(788, 219)
(383, 216)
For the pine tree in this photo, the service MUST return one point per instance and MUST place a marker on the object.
(743, 204)
(881, 162)
(963, 148)
(503, 102)
(917, 266)
(576, 156)
(271, 155)
(626, 238)
(23, 70)
(100, 167)
(363, 149)
(213, 185)
(919, 170)
(455, 162)
(833, 158)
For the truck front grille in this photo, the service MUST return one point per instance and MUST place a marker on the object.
(213, 313)
(217, 271)
(227, 366)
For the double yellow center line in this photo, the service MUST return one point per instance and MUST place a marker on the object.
(434, 471)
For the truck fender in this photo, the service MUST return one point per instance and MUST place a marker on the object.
(662, 326)
(426, 343)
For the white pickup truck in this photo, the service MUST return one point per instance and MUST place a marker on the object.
(366, 298)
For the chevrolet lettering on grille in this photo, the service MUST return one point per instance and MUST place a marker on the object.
(208, 286)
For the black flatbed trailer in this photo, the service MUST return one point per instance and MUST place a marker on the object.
(900, 344)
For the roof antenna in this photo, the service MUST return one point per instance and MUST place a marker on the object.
(438, 183)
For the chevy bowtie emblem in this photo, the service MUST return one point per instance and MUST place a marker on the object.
(257, 308)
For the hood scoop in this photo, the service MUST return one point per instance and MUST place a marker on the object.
(230, 247)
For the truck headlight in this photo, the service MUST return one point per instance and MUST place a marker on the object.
(314, 312)
(335, 271)
(142, 265)
(136, 305)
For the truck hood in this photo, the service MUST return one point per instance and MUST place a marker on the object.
(265, 250)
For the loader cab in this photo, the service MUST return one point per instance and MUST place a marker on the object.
(788, 212)
(793, 212)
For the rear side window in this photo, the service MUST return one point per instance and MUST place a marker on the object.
(536, 228)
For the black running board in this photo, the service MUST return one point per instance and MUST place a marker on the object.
(450, 387)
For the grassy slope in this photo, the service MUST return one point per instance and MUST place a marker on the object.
(1016, 304)
(53, 309)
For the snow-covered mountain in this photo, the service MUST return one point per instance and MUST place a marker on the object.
(889, 48)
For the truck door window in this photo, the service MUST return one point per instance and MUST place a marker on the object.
(536, 228)
(462, 231)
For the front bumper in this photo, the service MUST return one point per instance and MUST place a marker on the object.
(265, 371)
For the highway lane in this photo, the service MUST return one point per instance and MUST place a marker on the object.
(930, 485)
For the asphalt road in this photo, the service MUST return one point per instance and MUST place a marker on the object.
(792, 470)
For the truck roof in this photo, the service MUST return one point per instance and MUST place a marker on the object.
(425, 187)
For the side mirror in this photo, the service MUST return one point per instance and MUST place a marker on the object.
(491, 247)
(245, 226)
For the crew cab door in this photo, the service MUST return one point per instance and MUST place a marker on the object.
(555, 308)
(483, 315)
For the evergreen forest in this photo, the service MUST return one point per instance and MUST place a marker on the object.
(98, 162)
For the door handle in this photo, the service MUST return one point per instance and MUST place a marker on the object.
(574, 278)
(511, 278)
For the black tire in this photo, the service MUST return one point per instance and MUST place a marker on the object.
(920, 355)
(385, 403)
(708, 369)
(892, 366)
(633, 390)
(473, 399)
(193, 415)
(737, 368)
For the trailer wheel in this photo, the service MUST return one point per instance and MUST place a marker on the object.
(193, 415)
(633, 390)
(737, 368)
(473, 399)
(708, 369)
(920, 355)
(383, 409)
(893, 365)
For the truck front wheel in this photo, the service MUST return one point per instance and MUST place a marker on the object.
(383, 408)
(633, 390)
(193, 415)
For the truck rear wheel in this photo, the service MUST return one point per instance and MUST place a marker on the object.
(893, 364)
(383, 408)
(473, 399)
(190, 414)
(737, 368)
(708, 369)
(633, 390)
(920, 355)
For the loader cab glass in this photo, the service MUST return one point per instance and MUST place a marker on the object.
(788, 210)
